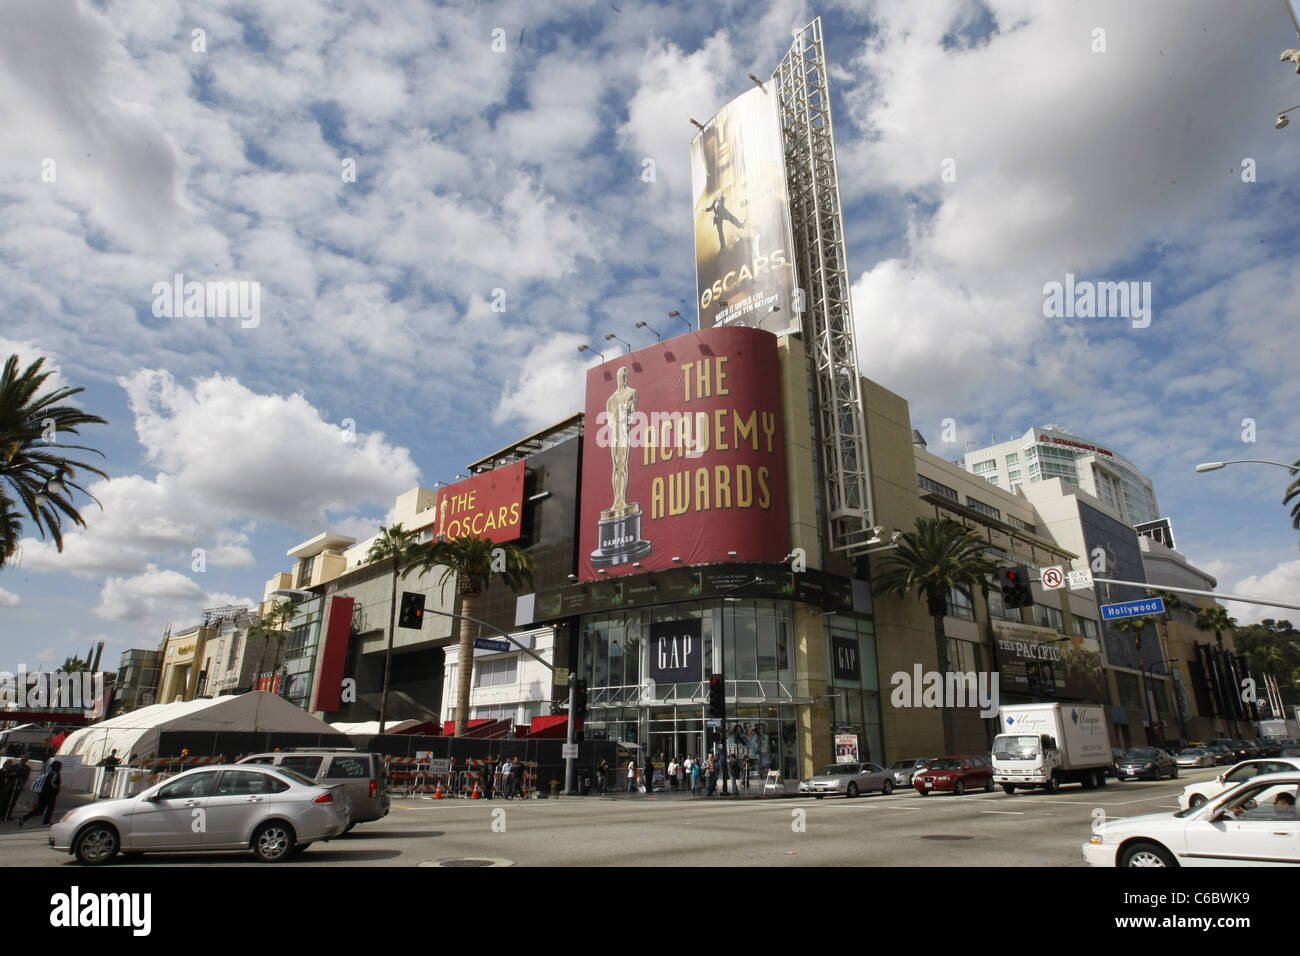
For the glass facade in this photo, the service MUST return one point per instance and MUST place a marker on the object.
(300, 654)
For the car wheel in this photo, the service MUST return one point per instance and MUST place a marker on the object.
(924, 793)
(1146, 854)
(1101, 778)
(988, 785)
(851, 791)
(1197, 800)
(1174, 776)
(960, 788)
(96, 845)
(272, 842)
(1009, 787)
(819, 796)
(887, 788)
(1054, 784)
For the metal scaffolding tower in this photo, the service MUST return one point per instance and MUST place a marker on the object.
(804, 102)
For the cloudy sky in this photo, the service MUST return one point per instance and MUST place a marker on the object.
(389, 171)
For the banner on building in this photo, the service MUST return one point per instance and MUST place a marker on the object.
(846, 748)
(675, 651)
(744, 250)
(684, 456)
(845, 663)
(485, 506)
(1035, 662)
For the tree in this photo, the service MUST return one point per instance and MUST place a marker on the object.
(393, 544)
(1293, 493)
(1215, 618)
(940, 555)
(38, 478)
(72, 665)
(273, 626)
(473, 562)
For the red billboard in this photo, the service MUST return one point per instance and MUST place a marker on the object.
(684, 455)
(485, 506)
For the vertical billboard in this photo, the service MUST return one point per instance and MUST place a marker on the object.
(485, 506)
(744, 248)
(684, 456)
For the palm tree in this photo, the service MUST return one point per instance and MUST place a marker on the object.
(393, 544)
(39, 478)
(473, 562)
(1215, 618)
(273, 626)
(1293, 492)
(940, 555)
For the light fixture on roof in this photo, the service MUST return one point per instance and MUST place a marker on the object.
(611, 335)
(644, 325)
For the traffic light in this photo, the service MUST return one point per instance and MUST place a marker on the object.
(1016, 591)
(717, 698)
(579, 698)
(412, 613)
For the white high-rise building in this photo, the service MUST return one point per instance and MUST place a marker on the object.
(1051, 451)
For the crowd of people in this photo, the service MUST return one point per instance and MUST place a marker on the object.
(702, 775)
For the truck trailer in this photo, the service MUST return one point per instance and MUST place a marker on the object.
(1046, 745)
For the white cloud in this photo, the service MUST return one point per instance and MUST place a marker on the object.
(156, 597)
(1282, 583)
(550, 385)
(9, 599)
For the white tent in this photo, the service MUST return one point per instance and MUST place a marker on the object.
(372, 727)
(135, 735)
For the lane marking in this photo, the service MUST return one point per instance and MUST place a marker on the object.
(1019, 813)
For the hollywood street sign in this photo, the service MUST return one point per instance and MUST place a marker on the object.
(1113, 612)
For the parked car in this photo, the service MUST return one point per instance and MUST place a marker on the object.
(1269, 746)
(1150, 762)
(1116, 757)
(1235, 751)
(1195, 794)
(903, 770)
(848, 780)
(362, 774)
(957, 774)
(1195, 757)
(1222, 754)
(272, 811)
(1246, 826)
(1290, 752)
(1252, 752)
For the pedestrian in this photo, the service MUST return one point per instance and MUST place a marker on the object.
(711, 776)
(602, 777)
(687, 764)
(490, 770)
(109, 764)
(631, 775)
(17, 772)
(649, 775)
(517, 787)
(733, 768)
(681, 776)
(695, 779)
(47, 788)
(745, 769)
(672, 774)
(507, 778)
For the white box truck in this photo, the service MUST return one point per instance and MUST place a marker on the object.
(1046, 745)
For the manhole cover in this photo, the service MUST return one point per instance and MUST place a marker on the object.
(945, 836)
(477, 861)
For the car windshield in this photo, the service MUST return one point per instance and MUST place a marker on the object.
(1191, 752)
(947, 764)
(1140, 755)
(838, 769)
(1015, 748)
(904, 765)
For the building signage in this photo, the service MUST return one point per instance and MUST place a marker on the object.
(1113, 612)
(487, 644)
(485, 506)
(847, 665)
(1042, 663)
(684, 457)
(675, 651)
(1052, 440)
(744, 248)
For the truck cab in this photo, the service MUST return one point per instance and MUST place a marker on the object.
(1027, 760)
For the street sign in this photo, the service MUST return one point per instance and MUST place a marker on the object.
(1080, 580)
(713, 724)
(484, 644)
(568, 751)
(1113, 612)
(1052, 579)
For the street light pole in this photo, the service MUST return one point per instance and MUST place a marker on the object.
(1216, 465)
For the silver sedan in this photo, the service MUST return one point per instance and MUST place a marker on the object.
(271, 811)
(848, 780)
(1193, 757)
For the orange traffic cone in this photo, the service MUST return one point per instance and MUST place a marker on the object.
(437, 791)
(476, 795)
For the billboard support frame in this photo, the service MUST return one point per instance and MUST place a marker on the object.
(804, 106)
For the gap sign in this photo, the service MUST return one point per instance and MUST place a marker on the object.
(1113, 612)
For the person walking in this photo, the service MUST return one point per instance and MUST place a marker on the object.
(649, 775)
(733, 768)
(671, 773)
(711, 776)
(517, 785)
(47, 788)
(489, 775)
(681, 777)
(602, 777)
(507, 778)
(631, 775)
(745, 769)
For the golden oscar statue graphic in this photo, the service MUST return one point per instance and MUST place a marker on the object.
(620, 524)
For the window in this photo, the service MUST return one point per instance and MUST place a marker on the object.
(959, 605)
(929, 484)
(1048, 617)
(238, 783)
(982, 508)
(988, 470)
(999, 611)
(495, 671)
(1022, 525)
(496, 712)
(307, 766)
(963, 656)
(1013, 460)
(304, 571)
(198, 785)
(348, 767)
(1086, 628)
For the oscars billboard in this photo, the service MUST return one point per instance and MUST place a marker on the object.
(684, 455)
(485, 506)
(744, 255)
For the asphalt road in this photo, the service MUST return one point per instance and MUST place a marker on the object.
(904, 829)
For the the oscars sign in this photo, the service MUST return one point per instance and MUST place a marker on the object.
(684, 455)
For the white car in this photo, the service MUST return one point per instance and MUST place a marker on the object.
(1253, 824)
(1195, 794)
